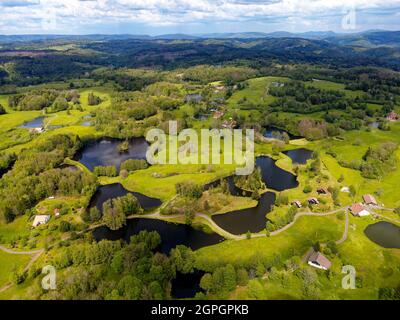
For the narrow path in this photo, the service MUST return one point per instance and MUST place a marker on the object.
(35, 255)
(346, 230)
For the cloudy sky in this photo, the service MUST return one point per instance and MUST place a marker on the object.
(195, 16)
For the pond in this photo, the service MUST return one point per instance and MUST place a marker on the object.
(185, 286)
(171, 234)
(86, 124)
(299, 156)
(274, 177)
(251, 219)
(201, 116)
(385, 234)
(105, 152)
(35, 123)
(116, 190)
(272, 132)
(233, 189)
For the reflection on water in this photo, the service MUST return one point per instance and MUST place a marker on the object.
(385, 234)
(116, 190)
(105, 152)
(251, 219)
(299, 156)
(171, 234)
(35, 123)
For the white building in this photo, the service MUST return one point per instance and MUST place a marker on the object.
(40, 219)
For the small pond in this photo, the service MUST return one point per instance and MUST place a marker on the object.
(35, 123)
(272, 132)
(105, 152)
(250, 219)
(185, 286)
(299, 156)
(385, 234)
(171, 234)
(116, 190)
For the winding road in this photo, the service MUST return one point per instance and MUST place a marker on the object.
(231, 236)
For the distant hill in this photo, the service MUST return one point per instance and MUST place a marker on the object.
(368, 39)
(365, 39)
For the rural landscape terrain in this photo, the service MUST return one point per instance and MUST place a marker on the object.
(77, 194)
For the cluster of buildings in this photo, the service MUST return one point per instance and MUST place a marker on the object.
(317, 259)
(360, 209)
(42, 219)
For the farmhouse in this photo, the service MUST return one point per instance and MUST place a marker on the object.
(358, 210)
(370, 200)
(40, 219)
(218, 114)
(392, 116)
(36, 130)
(297, 204)
(318, 260)
(322, 191)
(313, 201)
(229, 124)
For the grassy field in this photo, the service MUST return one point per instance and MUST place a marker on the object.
(10, 263)
(328, 85)
(294, 241)
(256, 92)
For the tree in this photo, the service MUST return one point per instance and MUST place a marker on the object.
(353, 191)
(2, 110)
(183, 258)
(206, 282)
(123, 147)
(242, 277)
(113, 217)
(93, 100)
(65, 226)
(95, 214)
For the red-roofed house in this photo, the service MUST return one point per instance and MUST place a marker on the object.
(318, 260)
(392, 116)
(358, 210)
(369, 200)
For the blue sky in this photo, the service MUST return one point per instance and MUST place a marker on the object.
(195, 16)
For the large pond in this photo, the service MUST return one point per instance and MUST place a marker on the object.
(254, 219)
(116, 190)
(185, 286)
(299, 156)
(385, 234)
(275, 177)
(105, 152)
(251, 219)
(171, 234)
(35, 123)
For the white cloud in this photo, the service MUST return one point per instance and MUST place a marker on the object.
(23, 15)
